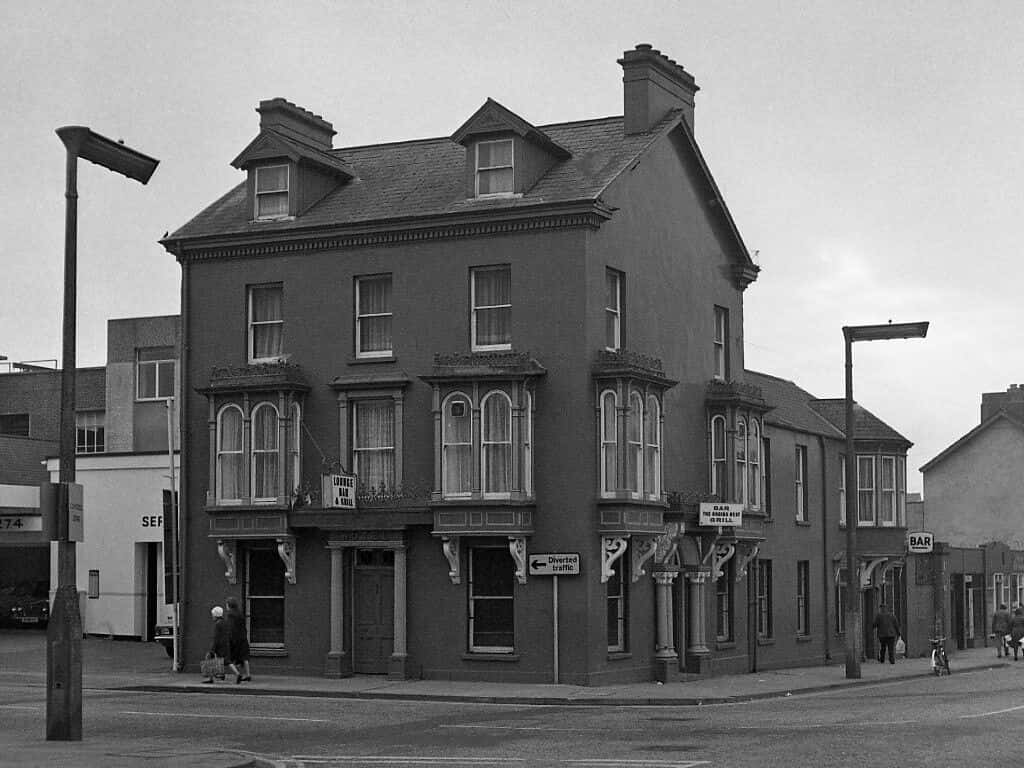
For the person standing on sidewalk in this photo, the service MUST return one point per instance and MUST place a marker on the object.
(1016, 630)
(888, 628)
(1001, 628)
(238, 641)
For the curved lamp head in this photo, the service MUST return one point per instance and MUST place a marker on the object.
(112, 155)
(885, 331)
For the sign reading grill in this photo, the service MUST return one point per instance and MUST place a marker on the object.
(562, 564)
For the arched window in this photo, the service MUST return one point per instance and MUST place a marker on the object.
(609, 443)
(266, 470)
(229, 454)
(295, 446)
(741, 461)
(718, 457)
(457, 445)
(496, 443)
(754, 464)
(652, 448)
(528, 445)
(635, 443)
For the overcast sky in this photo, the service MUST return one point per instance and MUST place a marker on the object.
(871, 157)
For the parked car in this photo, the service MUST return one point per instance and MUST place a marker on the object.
(26, 604)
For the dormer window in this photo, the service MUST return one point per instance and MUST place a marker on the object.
(494, 168)
(272, 192)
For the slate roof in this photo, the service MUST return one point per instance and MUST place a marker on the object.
(791, 406)
(426, 177)
(866, 426)
(949, 451)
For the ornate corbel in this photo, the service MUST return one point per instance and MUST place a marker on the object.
(286, 550)
(742, 570)
(612, 548)
(666, 553)
(228, 551)
(722, 554)
(450, 547)
(868, 570)
(643, 549)
(517, 548)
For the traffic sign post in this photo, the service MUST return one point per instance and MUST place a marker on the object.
(555, 565)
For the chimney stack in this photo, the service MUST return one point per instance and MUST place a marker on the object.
(296, 123)
(653, 84)
(1011, 401)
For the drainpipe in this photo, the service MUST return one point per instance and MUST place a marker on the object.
(184, 451)
(825, 560)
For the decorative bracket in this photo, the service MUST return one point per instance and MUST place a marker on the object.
(666, 553)
(612, 548)
(228, 551)
(722, 554)
(286, 549)
(742, 570)
(643, 549)
(712, 545)
(517, 548)
(868, 570)
(450, 546)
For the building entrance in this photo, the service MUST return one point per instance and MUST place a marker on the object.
(374, 610)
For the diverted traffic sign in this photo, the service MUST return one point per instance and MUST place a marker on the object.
(564, 564)
(920, 542)
(717, 513)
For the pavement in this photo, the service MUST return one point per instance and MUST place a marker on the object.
(113, 665)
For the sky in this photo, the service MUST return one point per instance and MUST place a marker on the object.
(869, 152)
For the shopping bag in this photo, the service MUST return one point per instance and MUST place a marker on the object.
(212, 666)
(901, 647)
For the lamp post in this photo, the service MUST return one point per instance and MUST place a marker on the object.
(854, 624)
(64, 632)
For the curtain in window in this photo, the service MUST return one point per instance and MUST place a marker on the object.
(741, 461)
(267, 322)
(458, 446)
(865, 490)
(492, 299)
(887, 510)
(609, 447)
(497, 444)
(754, 464)
(635, 442)
(495, 155)
(375, 314)
(272, 191)
(652, 448)
(266, 469)
(229, 454)
(375, 444)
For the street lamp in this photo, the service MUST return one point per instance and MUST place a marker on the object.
(64, 632)
(853, 333)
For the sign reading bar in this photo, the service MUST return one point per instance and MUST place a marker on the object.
(718, 513)
(920, 542)
(564, 564)
(339, 491)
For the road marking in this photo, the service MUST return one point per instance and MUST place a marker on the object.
(15, 706)
(225, 717)
(996, 712)
(537, 728)
(414, 760)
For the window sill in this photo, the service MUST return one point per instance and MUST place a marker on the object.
(512, 657)
(619, 655)
(268, 650)
(803, 523)
(370, 360)
(804, 638)
(762, 641)
(625, 497)
(724, 645)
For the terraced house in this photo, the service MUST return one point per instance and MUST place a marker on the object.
(521, 340)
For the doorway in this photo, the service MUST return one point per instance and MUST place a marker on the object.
(374, 610)
(149, 628)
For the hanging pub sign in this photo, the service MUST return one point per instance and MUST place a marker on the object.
(719, 513)
(920, 542)
(339, 491)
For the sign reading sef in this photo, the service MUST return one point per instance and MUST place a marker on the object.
(716, 513)
(920, 542)
(566, 564)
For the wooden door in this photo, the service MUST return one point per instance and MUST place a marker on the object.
(374, 610)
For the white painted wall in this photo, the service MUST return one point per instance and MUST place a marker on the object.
(123, 510)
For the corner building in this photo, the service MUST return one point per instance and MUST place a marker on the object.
(520, 339)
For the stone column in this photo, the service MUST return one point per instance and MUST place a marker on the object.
(397, 664)
(338, 662)
(665, 656)
(697, 654)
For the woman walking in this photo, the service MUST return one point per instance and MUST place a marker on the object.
(238, 641)
(1016, 629)
(218, 645)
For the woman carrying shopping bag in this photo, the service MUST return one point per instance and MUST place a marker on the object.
(213, 665)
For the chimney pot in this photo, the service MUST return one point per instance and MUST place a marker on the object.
(653, 85)
(295, 122)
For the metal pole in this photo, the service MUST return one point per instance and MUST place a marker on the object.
(64, 632)
(554, 623)
(175, 638)
(853, 612)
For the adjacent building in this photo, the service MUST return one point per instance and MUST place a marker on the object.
(412, 372)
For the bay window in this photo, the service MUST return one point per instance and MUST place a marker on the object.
(609, 442)
(457, 446)
(230, 456)
(496, 444)
(266, 462)
(865, 490)
(634, 443)
(718, 467)
(634, 449)
(887, 483)
(652, 452)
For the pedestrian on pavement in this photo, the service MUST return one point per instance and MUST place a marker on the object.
(1016, 630)
(888, 628)
(219, 643)
(1001, 628)
(238, 641)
